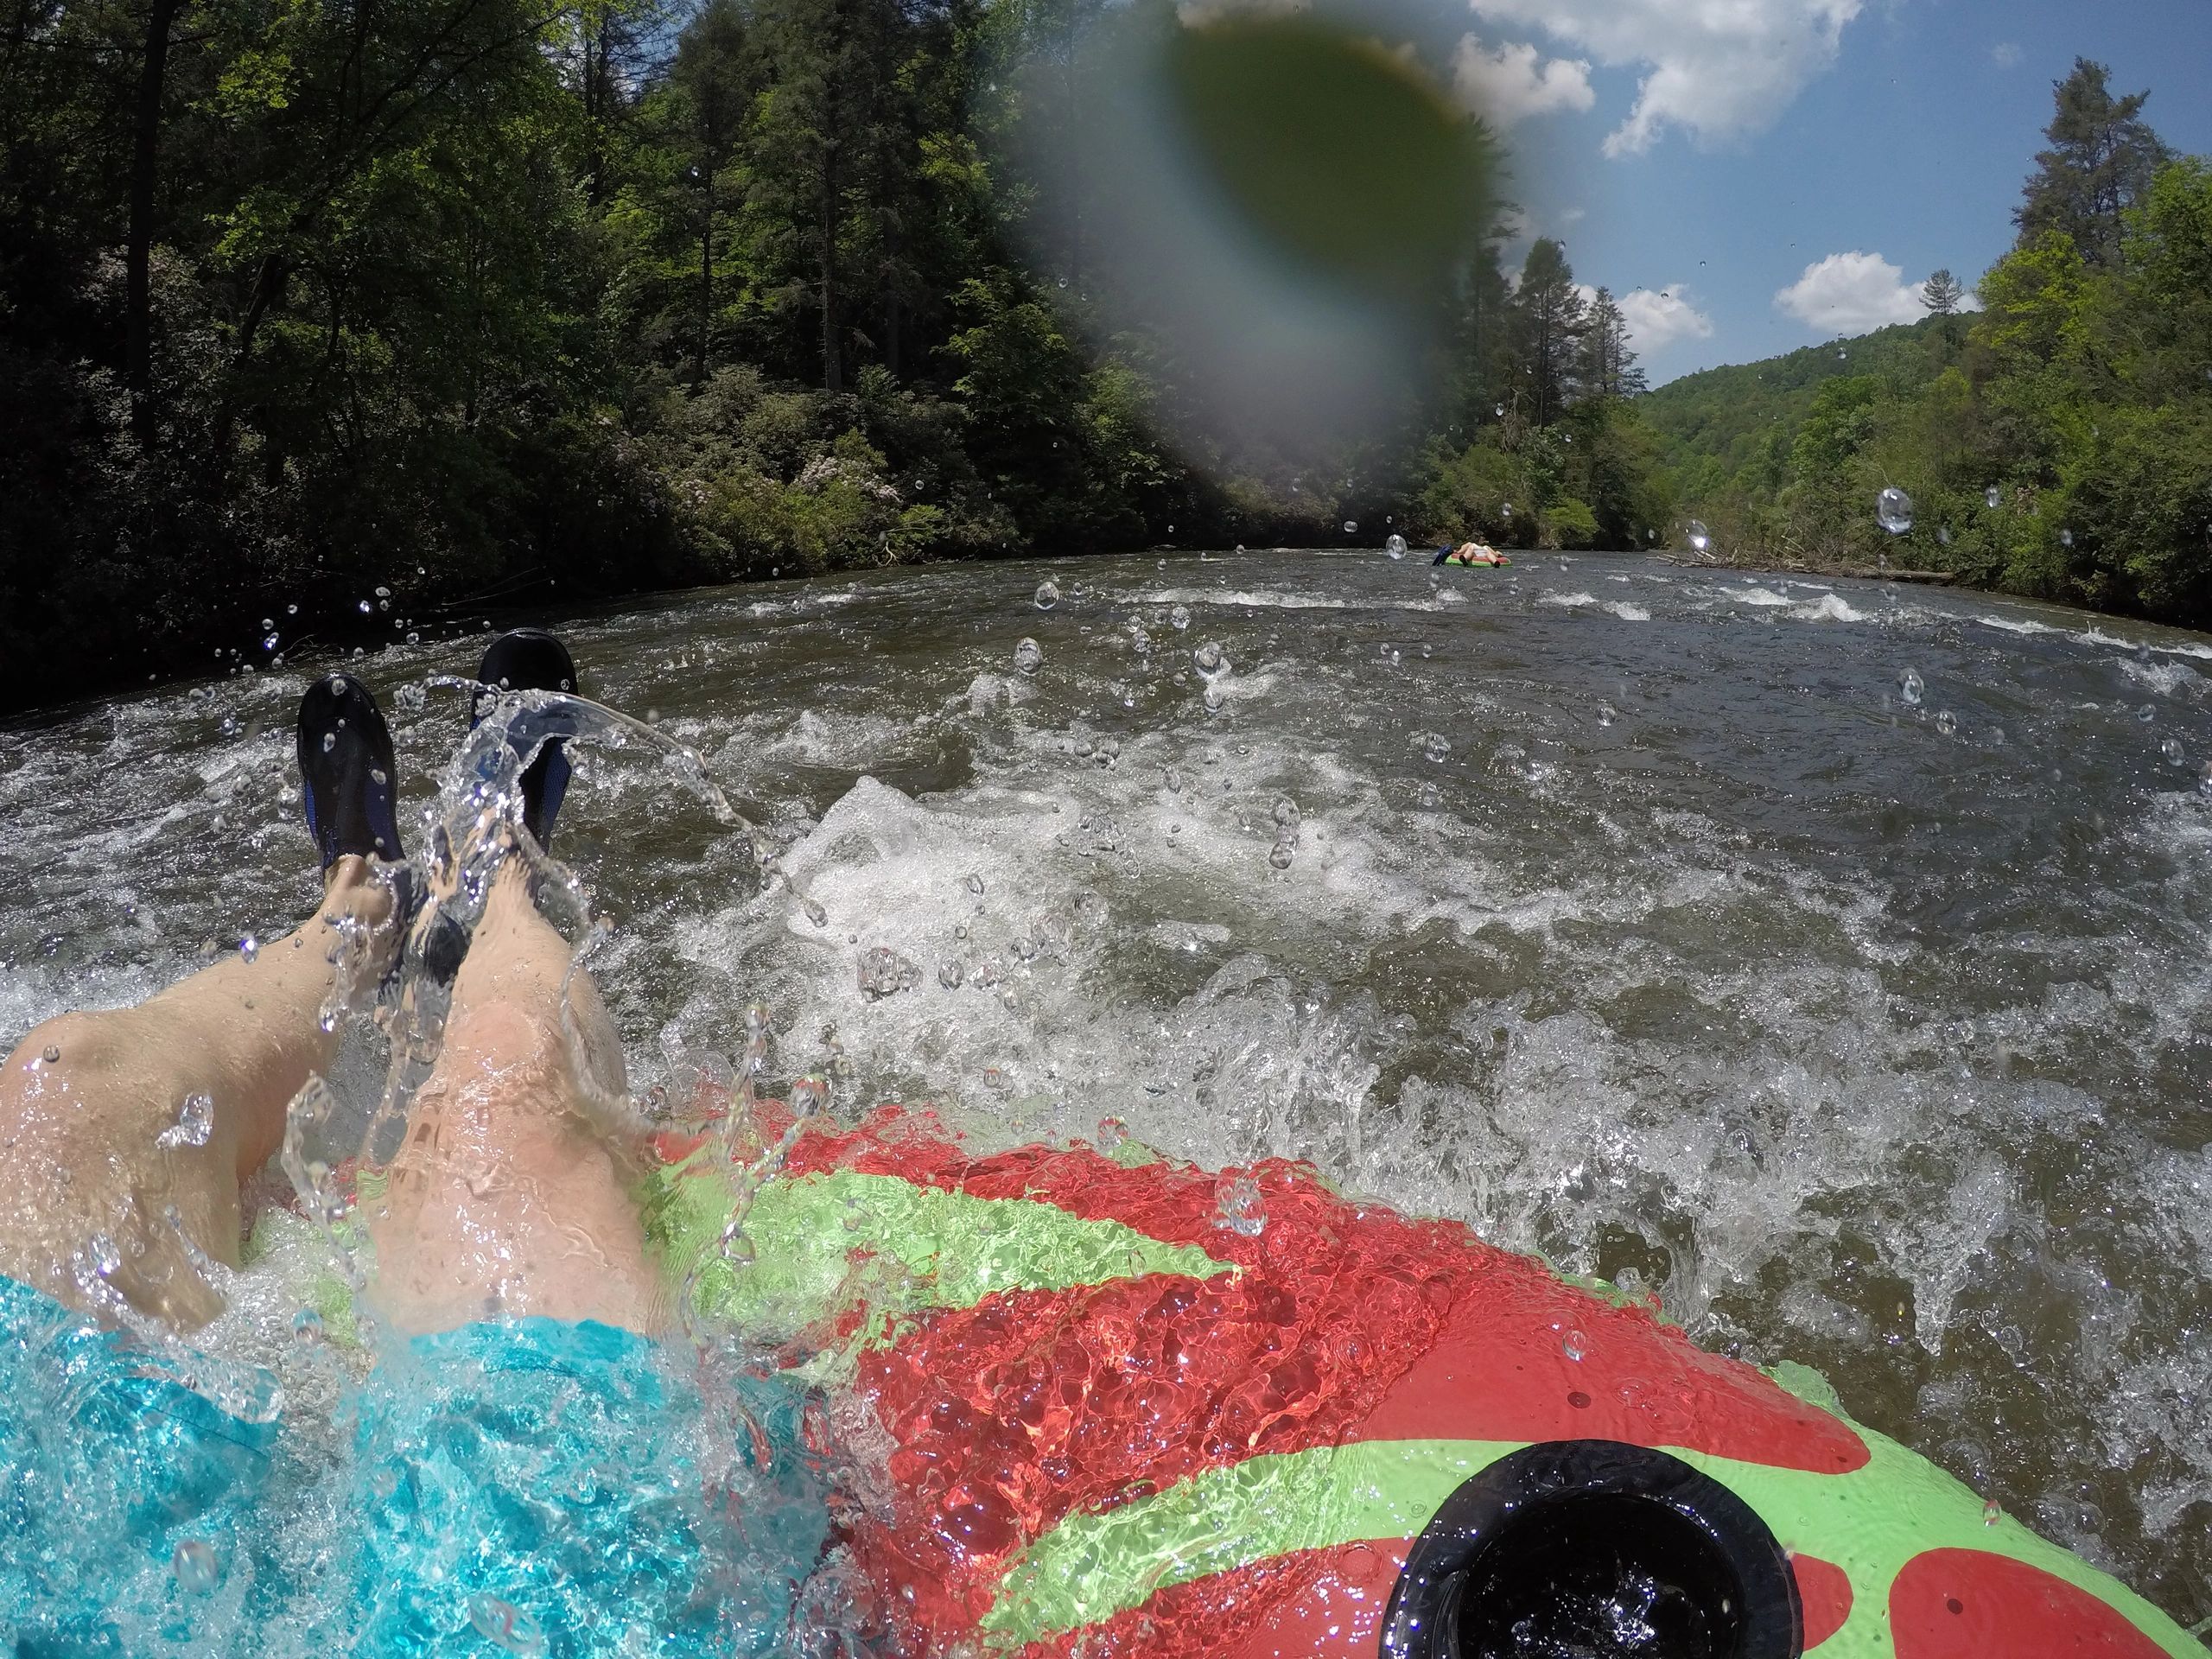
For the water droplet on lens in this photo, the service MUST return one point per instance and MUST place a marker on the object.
(196, 1122)
(52, 1054)
(1213, 699)
(1893, 510)
(249, 947)
(1047, 596)
(1241, 1212)
(1429, 796)
(1436, 746)
(1281, 856)
(1910, 688)
(1944, 535)
(1111, 1132)
(1179, 619)
(1994, 497)
(815, 913)
(2172, 749)
(269, 644)
(2147, 712)
(950, 975)
(1395, 547)
(1991, 1513)
(329, 742)
(195, 1566)
(1574, 1344)
(1209, 659)
(975, 885)
(1028, 656)
(367, 608)
(1947, 723)
(1287, 812)
(1701, 538)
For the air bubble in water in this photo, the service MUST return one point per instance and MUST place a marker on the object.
(1395, 547)
(1910, 688)
(1047, 596)
(1237, 1199)
(1179, 619)
(504, 1625)
(1947, 722)
(1209, 659)
(197, 1570)
(1893, 510)
(1027, 656)
(1701, 538)
(2172, 749)
(196, 1122)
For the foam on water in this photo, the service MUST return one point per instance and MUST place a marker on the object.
(1862, 1047)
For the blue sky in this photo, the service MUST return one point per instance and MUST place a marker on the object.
(1703, 157)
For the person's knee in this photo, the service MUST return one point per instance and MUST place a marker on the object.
(67, 1046)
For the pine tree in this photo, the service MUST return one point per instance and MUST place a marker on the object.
(1942, 295)
(714, 78)
(2102, 160)
(1550, 320)
(1609, 368)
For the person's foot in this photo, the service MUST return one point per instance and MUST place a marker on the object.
(347, 771)
(530, 659)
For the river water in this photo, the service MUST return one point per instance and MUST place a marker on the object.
(1832, 957)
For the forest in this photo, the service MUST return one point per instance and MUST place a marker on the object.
(2054, 433)
(327, 323)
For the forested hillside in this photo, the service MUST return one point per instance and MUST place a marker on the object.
(2057, 442)
(322, 325)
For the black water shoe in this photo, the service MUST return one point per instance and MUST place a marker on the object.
(530, 659)
(347, 771)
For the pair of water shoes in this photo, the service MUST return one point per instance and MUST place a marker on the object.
(347, 774)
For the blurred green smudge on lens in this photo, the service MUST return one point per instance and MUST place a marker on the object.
(1339, 155)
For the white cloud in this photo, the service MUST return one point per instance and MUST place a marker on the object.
(1850, 294)
(1514, 82)
(1714, 67)
(1656, 320)
(2006, 54)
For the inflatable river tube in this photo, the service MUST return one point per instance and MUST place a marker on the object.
(1128, 1406)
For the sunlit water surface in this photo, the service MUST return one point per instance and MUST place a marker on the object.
(1832, 957)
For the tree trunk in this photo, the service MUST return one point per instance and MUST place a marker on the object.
(706, 268)
(145, 159)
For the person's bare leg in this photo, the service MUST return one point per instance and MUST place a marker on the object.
(507, 1198)
(85, 1097)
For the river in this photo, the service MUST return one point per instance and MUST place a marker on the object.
(1831, 957)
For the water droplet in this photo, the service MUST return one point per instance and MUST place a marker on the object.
(1429, 796)
(1436, 746)
(329, 742)
(1499, 411)
(1281, 856)
(1179, 619)
(1241, 1212)
(950, 975)
(1028, 656)
(308, 1327)
(1509, 510)
(1700, 538)
(1111, 1132)
(197, 1570)
(1048, 596)
(291, 610)
(504, 1625)
(1574, 1344)
(367, 608)
(884, 972)
(384, 593)
(1911, 688)
(1209, 659)
(2066, 539)
(52, 1054)
(1395, 547)
(2147, 712)
(1352, 527)
(2172, 749)
(1992, 1513)
(1174, 779)
(1893, 510)
(1605, 714)
(1213, 699)
(377, 776)
(249, 947)
(196, 1122)
(1944, 535)
(815, 913)
(269, 644)
(105, 1258)
(1947, 722)
(1286, 812)
(975, 885)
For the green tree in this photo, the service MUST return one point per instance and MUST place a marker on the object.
(2102, 160)
(1550, 319)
